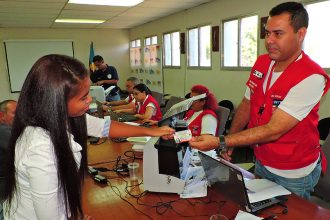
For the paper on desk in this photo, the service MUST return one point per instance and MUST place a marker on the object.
(241, 215)
(196, 184)
(138, 147)
(144, 139)
(132, 123)
(261, 189)
(185, 164)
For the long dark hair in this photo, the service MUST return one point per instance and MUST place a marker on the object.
(51, 82)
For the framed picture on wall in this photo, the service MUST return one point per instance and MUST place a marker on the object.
(263, 22)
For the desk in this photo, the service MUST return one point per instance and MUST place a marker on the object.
(102, 203)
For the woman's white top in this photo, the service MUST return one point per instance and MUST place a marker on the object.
(37, 191)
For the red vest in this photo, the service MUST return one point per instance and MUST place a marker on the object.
(196, 125)
(130, 98)
(143, 107)
(299, 147)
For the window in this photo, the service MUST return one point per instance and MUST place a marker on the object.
(240, 42)
(316, 43)
(171, 49)
(135, 53)
(150, 41)
(199, 47)
(136, 43)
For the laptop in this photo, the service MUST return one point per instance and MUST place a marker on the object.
(122, 117)
(228, 179)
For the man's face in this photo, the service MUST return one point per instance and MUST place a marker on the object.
(129, 86)
(281, 41)
(8, 117)
(100, 65)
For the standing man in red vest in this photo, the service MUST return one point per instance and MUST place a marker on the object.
(280, 106)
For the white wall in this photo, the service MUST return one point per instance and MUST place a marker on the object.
(110, 43)
(224, 84)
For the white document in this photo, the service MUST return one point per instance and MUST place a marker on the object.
(196, 184)
(182, 106)
(144, 139)
(185, 164)
(241, 215)
(132, 123)
(261, 189)
(138, 147)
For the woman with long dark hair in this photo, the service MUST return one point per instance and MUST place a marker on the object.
(47, 150)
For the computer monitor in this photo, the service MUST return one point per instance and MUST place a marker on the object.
(97, 93)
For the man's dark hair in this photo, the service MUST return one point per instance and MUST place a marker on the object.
(299, 15)
(97, 58)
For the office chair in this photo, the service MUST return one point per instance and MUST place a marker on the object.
(228, 104)
(322, 188)
(173, 100)
(324, 128)
(223, 114)
(158, 96)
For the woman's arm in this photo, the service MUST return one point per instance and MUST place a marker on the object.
(148, 113)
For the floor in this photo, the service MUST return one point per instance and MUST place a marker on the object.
(320, 202)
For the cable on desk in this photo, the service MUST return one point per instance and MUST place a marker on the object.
(126, 153)
(120, 196)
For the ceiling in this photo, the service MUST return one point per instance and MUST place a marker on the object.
(42, 13)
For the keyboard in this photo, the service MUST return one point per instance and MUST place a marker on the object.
(122, 117)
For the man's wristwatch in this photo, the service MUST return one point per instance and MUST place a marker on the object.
(222, 146)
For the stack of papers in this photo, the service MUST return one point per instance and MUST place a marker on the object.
(261, 189)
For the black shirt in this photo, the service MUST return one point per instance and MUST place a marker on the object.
(109, 73)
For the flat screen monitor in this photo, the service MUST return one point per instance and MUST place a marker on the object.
(97, 93)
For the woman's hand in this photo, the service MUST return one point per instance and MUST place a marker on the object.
(164, 131)
(149, 121)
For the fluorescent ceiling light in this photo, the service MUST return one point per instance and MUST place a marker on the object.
(126, 3)
(83, 21)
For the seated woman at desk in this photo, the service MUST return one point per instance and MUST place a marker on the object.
(47, 157)
(201, 116)
(146, 106)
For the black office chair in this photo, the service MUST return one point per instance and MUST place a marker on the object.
(322, 188)
(229, 105)
(324, 128)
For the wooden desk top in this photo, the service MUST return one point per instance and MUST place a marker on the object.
(102, 202)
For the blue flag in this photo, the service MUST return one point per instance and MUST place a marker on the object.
(92, 66)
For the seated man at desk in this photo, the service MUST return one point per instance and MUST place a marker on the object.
(128, 102)
(146, 106)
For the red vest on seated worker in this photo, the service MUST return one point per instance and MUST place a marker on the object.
(142, 109)
(196, 125)
(299, 147)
